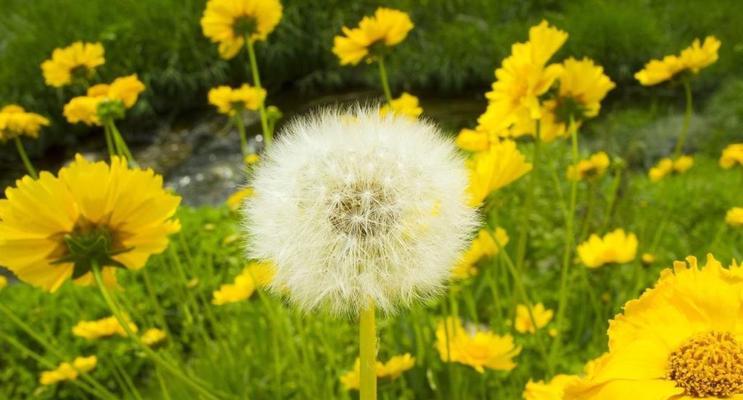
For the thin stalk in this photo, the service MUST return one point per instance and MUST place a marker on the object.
(241, 130)
(687, 119)
(24, 157)
(267, 134)
(385, 81)
(528, 203)
(154, 356)
(368, 354)
(612, 198)
(109, 141)
(120, 143)
(569, 244)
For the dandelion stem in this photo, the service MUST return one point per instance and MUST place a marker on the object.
(567, 251)
(24, 157)
(368, 353)
(687, 119)
(267, 134)
(385, 81)
(241, 129)
(528, 203)
(154, 356)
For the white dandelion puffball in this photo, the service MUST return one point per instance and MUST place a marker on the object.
(353, 207)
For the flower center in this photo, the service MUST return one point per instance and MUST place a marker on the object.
(90, 244)
(567, 108)
(362, 210)
(243, 26)
(708, 365)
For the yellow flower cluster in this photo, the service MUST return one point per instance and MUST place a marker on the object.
(682, 339)
(255, 275)
(667, 166)
(90, 212)
(615, 247)
(16, 121)
(230, 101)
(486, 244)
(695, 57)
(153, 336)
(121, 94)
(68, 371)
(552, 390)
(406, 105)
(734, 216)
(731, 155)
(593, 167)
(495, 168)
(229, 22)
(392, 369)
(236, 200)
(374, 34)
(523, 322)
(101, 328)
(475, 347)
(77, 61)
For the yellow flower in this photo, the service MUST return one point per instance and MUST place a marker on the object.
(593, 167)
(486, 244)
(104, 327)
(582, 86)
(553, 390)
(648, 258)
(693, 58)
(615, 247)
(76, 61)
(3, 281)
(523, 322)
(15, 121)
(254, 275)
(476, 348)
(731, 155)
(55, 227)
(523, 77)
(228, 22)
(251, 159)
(700, 55)
(153, 336)
(235, 201)
(230, 101)
(682, 340)
(387, 27)
(667, 166)
(734, 216)
(68, 372)
(406, 105)
(392, 369)
(475, 140)
(495, 168)
(119, 95)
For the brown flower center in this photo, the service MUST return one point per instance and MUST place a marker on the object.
(708, 365)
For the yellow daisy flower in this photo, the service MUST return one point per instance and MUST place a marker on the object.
(392, 369)
(592, 167)
(153, 336)
(615, 247)
(657, 71)
(386, 28)
(734, 216)
(76, 61)
(552, 390)
(523, 322)
(475, 347)
(255, 275)
(523, 77)
(694, 58)
(731, 155)
(251, 159)
(475, 140)
(647, 258)
(235, 201)
(406, 105)
(230, 101)
(486, 244)
(682, 340)
(104, 101)
(68, 372)
(56, 227)
(667, 166)
(16, 121)
(495, 168)
(229, 22)
(101, 328)
(700, 55)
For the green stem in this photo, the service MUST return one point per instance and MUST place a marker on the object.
(368, 354)
(567, 251)
(241, 130)
(109, 141)
(687, 119)
(385, 81)
(267, 134)
(528, 202)
(120, 144)
(612, 198)
(24, 157)
(154, 356)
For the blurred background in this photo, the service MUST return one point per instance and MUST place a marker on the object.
(448, 61)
